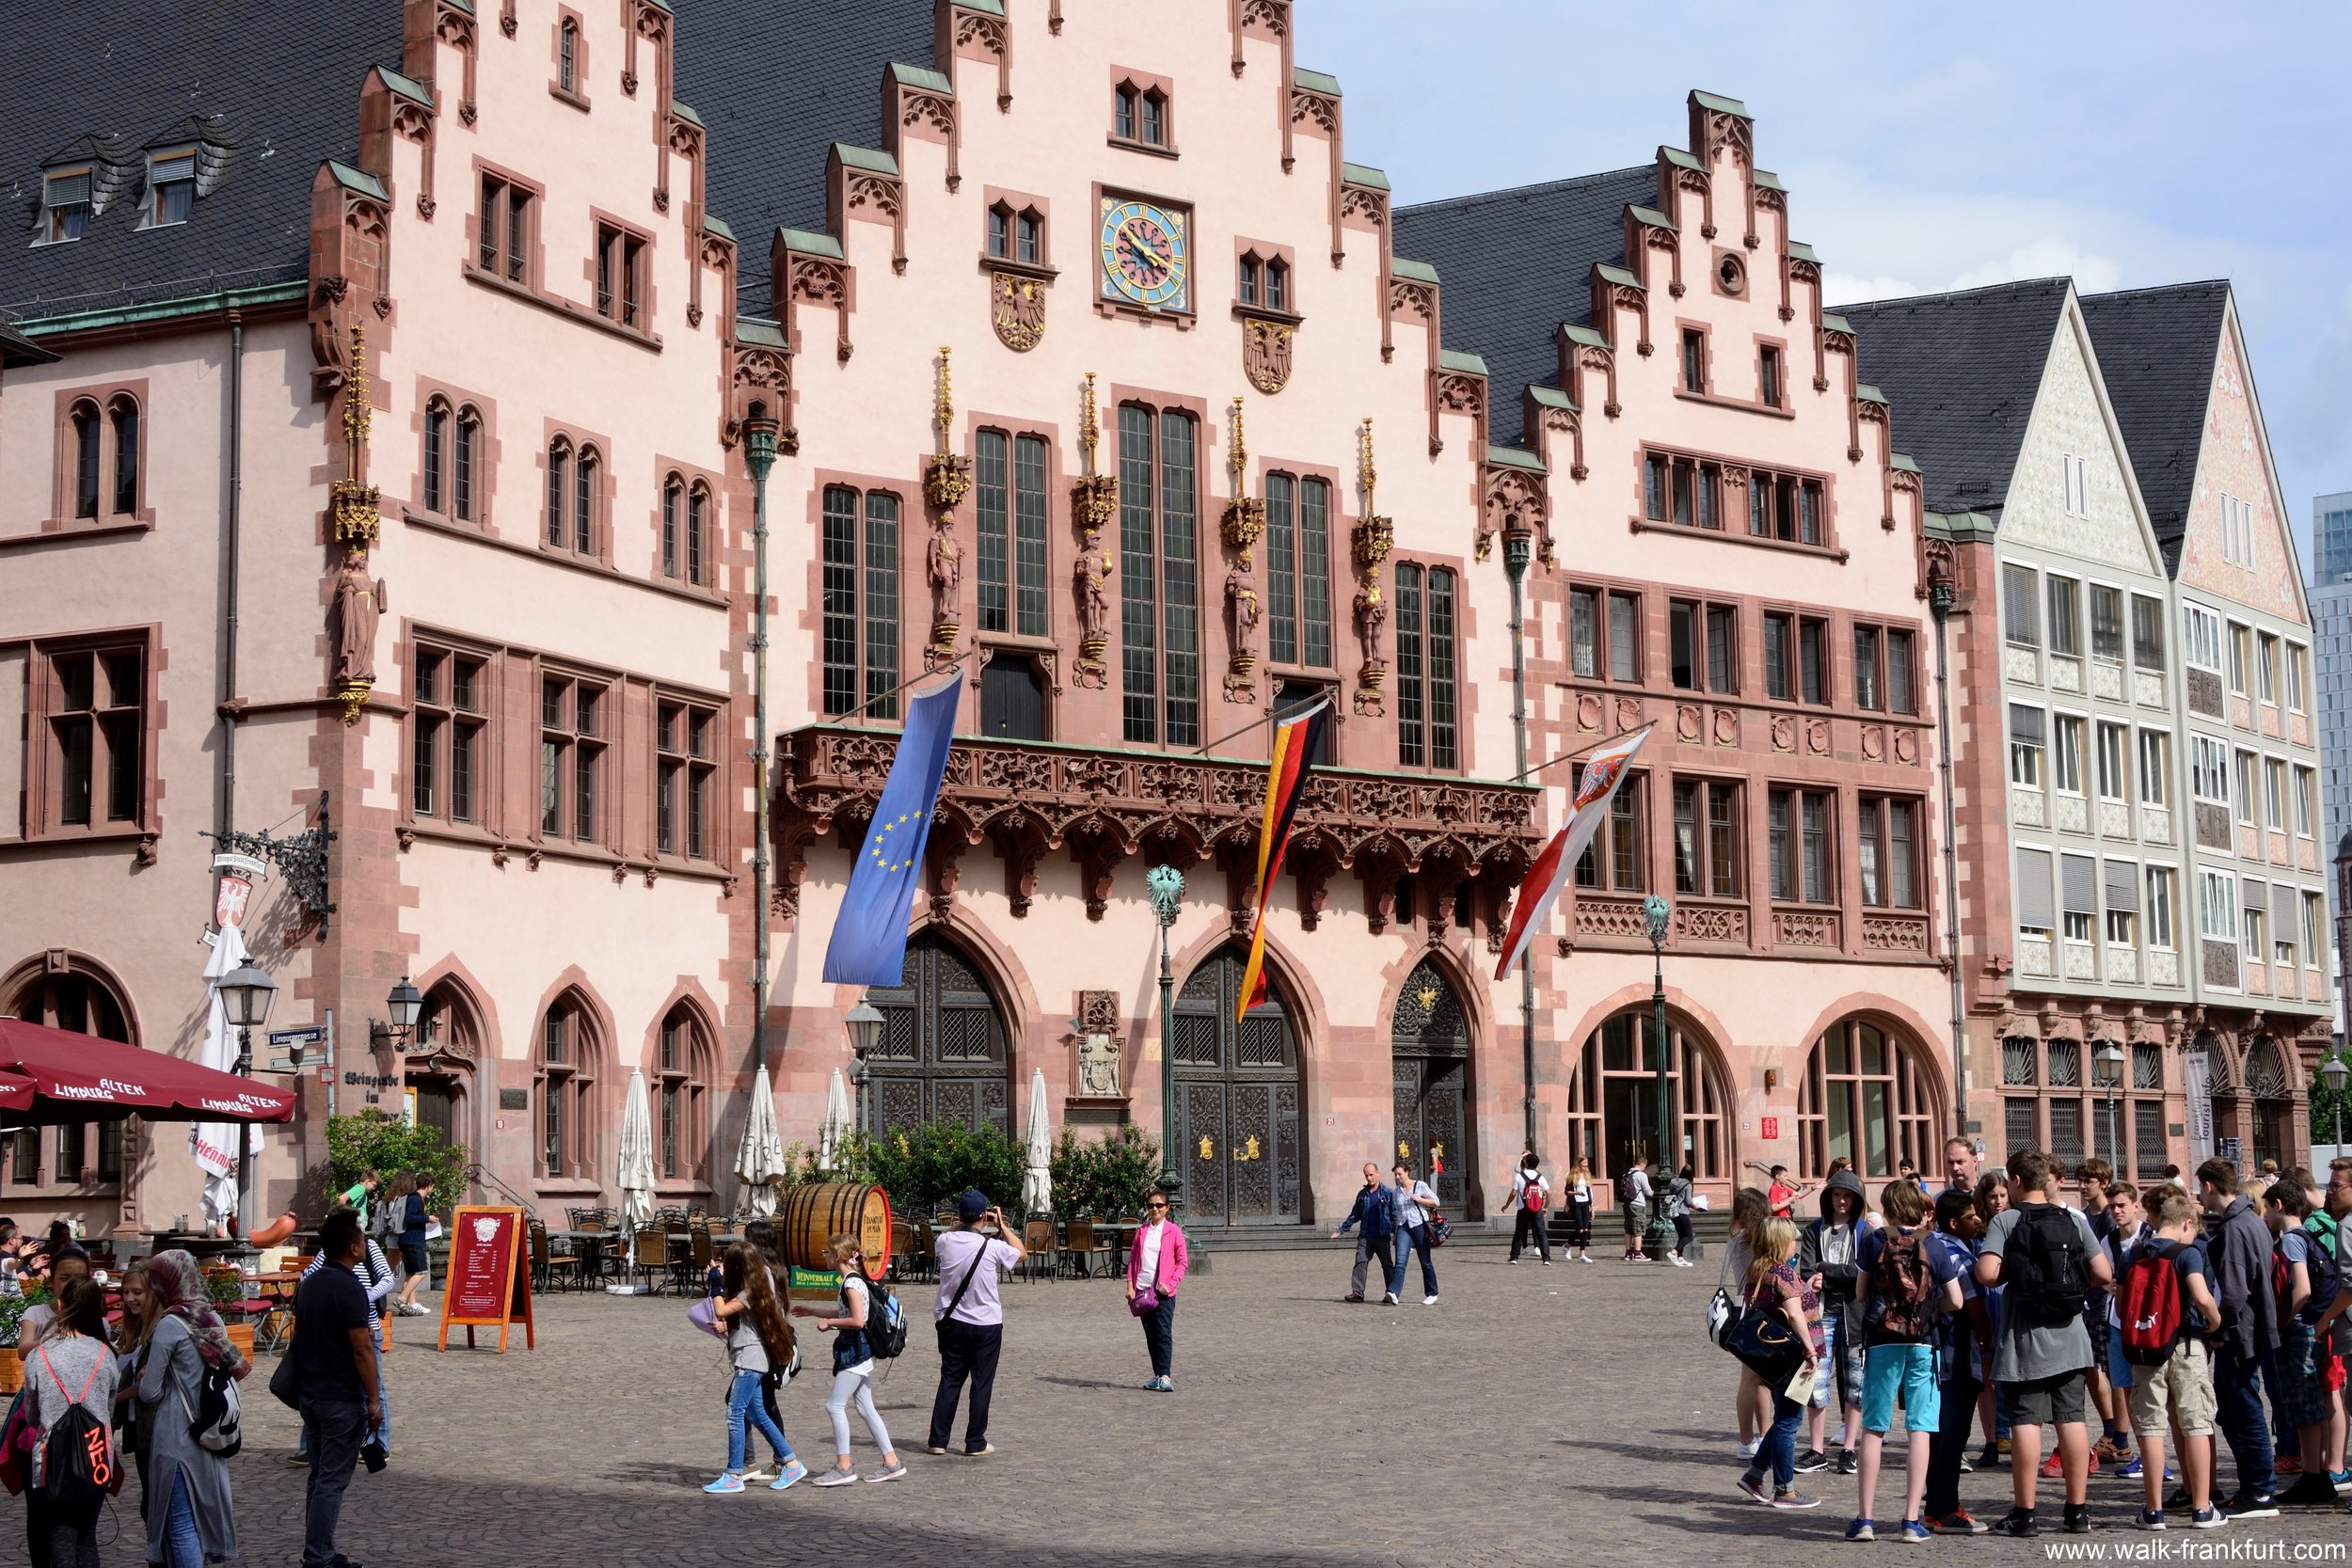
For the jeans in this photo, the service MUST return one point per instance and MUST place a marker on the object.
(1530, 1222)
(1951, 1443)
(1160, 1335)
(2285, 1441)
(1777, 1452)
(182, 1546)
(744, 1406)
(1412, 1239)
(381, 1432)
(2237, 1390)
(334, 1431)
(73, 1534)
(1580, 1224)
(859, 1386)
(966, 1349)
(1682, 1235)
(1368, 1248)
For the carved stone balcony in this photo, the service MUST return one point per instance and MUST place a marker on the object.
(1028, 799)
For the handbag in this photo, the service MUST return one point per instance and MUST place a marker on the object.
(18, 1436)
(1145, 1302)
(1440, 1230)
(1722, 1307)
(704, 1314)
(285, 1382)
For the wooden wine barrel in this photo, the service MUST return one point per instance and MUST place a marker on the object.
(815, 1214)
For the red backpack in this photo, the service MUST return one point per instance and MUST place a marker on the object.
(2153, 1305)
(1531, 1195)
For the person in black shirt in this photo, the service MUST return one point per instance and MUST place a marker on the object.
(334, 1357)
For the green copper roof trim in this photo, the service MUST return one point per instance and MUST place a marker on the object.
(164, 310)
(1314, 81)
(719, 226)
(991, 8)
(866, 158)
(1364, 174)
(759, 332)
(1513, 458)
(1613, 274)
(1420, 272)
(404, 86)
(1962, 527)
(1865, 392)
(1767, 181)
(1800, 252)
(1832, 322)
(1903, 463)
(358, 179)
(1653, 217)
(684, 113)
(662, 5)
(1455, 359)
(923, 76)
(808, 242)
(1680, 159)
(1584, 335)
(466, 6)
(1722, 105)
(1551, 397)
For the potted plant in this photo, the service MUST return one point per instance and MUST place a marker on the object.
(226, 1290)
(12, 1310)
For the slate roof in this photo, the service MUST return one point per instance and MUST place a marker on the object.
(1962, 371)
(1518, 263)
(2156, 349)
(286, 92)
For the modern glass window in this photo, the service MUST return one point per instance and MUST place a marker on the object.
(2027, 741)
(2106, 623)
(2200, 636)
(1706, 838)
(2275, 794)
(2021, 625)
(2306, 802)
(2066, 754)
(2065, 616)
(2155, 768)
(2267, 668)
(1298, 570)
(860, 603)
(2217, 905)
(2114, 776)
(1159, 591)
(2160, 909)
(2209, 770)
(2248, 797)
(2241, 646)
(1427, 699)
(2297, 675)
(2147, 633)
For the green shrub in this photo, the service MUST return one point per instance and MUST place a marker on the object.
(12, 1313)
(931, 1164)
(1109, 1176)
(372, 1141)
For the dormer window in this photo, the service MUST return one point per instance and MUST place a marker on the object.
(1140, 115)
(1264, 282)
(171, 188)
(1016, 236)
(66, 205)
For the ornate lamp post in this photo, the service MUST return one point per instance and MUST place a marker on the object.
(760, 429)
(1165, 886)
(2107, 1071)
(245, 995)
(2333, 1073)
(1518, 546)
(864, 1023)
(1656, 914)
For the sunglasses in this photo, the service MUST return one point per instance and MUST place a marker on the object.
(1156, 1206)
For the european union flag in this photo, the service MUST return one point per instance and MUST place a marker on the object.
(869, 936)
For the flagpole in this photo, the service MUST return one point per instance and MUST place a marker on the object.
(1323, 701)
(1571, 756)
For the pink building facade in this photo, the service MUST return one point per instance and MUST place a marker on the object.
(1101, 382)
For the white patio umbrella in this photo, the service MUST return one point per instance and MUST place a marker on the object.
(1037, 1181)
(836, 1128)
(762, 1153)
(635, 1177)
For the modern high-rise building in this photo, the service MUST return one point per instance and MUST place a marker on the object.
(2332, 630)
(2331, 536)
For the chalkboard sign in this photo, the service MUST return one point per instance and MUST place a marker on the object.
(489, 1276)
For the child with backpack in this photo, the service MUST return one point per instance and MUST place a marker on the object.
(870, 1327)
(1531, 1195)
(70, 1383)
(2046, 1256)
(2306, 1270)
(2168, 1279)
(1902, 1302)
(758, 1338)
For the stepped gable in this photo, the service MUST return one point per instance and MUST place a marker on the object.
(2156, 349)
(1962, 371)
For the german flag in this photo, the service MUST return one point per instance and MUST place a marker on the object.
(1297, 739)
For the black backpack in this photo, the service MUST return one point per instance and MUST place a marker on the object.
(77, 1462)
(885, 1322)
(2046, 1267)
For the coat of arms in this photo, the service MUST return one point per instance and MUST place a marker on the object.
(1266, 355)
(1018, 311)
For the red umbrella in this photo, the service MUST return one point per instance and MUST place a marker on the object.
(50, 1076)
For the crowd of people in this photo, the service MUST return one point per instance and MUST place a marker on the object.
(2204, 1312)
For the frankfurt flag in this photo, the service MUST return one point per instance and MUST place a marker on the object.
(1540, 889)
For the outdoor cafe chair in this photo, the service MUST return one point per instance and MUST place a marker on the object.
(1037, 1246)
(549, 1267)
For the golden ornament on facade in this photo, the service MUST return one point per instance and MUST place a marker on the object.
(356, 511)
(353, 695)
(1243, 525)
(355, 409)
(1094, 503)
(1266, 355)
(1018, 310)
(1374, 539)
(946, 480)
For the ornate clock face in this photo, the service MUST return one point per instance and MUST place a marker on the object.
(1145, 257)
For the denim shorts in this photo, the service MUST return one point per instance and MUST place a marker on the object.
(2302, 1377)
(1911, 1368)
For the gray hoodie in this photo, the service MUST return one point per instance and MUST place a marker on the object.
(1827, 1248)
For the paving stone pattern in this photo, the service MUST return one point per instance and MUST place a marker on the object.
(1535, 1416)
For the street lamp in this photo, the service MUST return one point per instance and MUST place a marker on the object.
(2107, 1071)
(1165, 886)
(245, 994)
(864, 1023)
(2333, 1073)
(1656, 914)
(760, 429)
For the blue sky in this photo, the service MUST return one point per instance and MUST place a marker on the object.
(2126, 145)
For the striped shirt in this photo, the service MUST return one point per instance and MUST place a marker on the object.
(375, 1279)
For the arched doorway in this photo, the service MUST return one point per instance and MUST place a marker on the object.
(2271, 1089)
(441, 1058)
(1613, 1096)
(1429, 1047)
(1237, 1097)
(943, 1055)
(1868, 1095)
(63, 995)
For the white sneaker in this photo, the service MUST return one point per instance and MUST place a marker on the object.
(1429, 1301)
(1747, 1451)
(1388, 1298)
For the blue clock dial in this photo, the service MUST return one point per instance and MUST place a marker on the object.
(1146, 260)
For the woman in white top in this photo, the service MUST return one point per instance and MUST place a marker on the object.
(71, 1365)
(1579, 1190)
(1156, 1261)
(852, 1369)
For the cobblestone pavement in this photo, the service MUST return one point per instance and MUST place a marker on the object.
(1561, 1416)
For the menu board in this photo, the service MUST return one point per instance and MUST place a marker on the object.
(489, 1276)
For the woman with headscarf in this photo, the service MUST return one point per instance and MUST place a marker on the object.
(182, 1337)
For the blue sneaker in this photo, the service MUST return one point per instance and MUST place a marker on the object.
(1914, 1532)
(2131, 1471)
(793, 1470)
(2341, 1480)
(2152, 1518)
(1861, 1530)
(724, 1485)
(2209, 1518)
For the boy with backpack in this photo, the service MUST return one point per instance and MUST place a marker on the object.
(1531, 1195)
(2045, 1256)
(1901, 1301)
(2169, 1278)
(2305, 1267)
(1633, 1196)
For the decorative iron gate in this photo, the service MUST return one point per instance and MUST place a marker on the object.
(1237, 1096)
(1429, 1038)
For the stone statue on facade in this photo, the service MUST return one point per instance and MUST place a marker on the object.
(1094, 573)
(1241, 609)
(1371, 612)
(359, 603)
(1098, 1065)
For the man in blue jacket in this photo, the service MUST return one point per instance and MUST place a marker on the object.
(1376, 1213)
(2239, 1243)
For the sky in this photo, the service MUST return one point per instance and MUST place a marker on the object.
(2127, 145)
